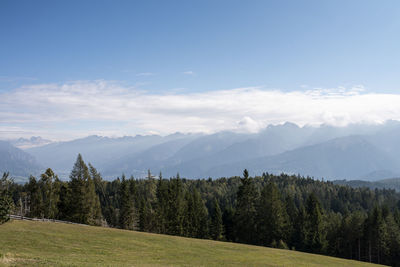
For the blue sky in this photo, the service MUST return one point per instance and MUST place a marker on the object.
(163, 48)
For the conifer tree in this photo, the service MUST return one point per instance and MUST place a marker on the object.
(127, 208)
(228, 219)
(299, 226)
(292, 212)
(271, 216)
(217, 226)
(6, 202)
(162, 205)
(50, 193)
(196, 215)
(392, 254)
(315, 238)
(36, 208)
(100, 189)
(64, 207)
(176, 210)
(145, 219)
(84, 203)
(376, 235)
(245, 216)
(93, 203)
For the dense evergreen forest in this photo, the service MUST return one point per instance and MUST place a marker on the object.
(288, 212)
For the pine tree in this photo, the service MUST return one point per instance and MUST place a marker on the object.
(176, 209)
(50, 193)
(245, 216)
(271, 216)
(145, 218)
(377, 235)
(64, 207)
(315, 238)
(84, 202)
(162, 205)
(196, 216)
(392, 255)
(228, 219)
(93, 203)
(6, 202)
(299, 226)
(36, 208)
(292, 213)
(127, 208)
(217, 226)
(100, 189)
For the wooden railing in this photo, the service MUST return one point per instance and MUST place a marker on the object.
(19, 217)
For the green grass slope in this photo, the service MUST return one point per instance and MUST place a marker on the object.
(24, 243)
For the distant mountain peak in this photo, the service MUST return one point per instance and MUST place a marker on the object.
(34, 141)
(16, 161)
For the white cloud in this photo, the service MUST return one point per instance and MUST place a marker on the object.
(145, 74)
(109, 108)
(248, 125)
(188, 72)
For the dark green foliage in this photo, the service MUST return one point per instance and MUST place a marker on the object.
(271, 216)
(63, 204)
(6, 201)
(315, 239)
(83, 201)
(50, 186)
(176, 211)
(196, 214)
(216, 227)
(127, 212)
(291, 212)
(162, 205)
(36, 199)
(245, 215)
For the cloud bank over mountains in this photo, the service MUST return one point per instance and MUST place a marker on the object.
(79, 108)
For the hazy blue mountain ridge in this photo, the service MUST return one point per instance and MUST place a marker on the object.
(352, 152)
(17, 162)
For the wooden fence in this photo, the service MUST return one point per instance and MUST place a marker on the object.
(19, 217)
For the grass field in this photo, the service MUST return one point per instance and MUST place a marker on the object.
(24, 243)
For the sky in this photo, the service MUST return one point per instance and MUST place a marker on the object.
(70, 69)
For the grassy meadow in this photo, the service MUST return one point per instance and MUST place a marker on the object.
(26, 243)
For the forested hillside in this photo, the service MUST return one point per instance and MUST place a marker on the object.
(288, 212)
(393, 183)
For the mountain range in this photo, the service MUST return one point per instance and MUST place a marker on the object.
(357, 151)
(16, 161)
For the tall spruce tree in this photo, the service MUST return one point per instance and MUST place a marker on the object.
(6, 202)
(36, 208)
(162, 205)
(292, 212)
(145, 216)
(196, 215)
(271, 216)
(176, 211)
(299, 226)
(217, 227)
(100, 189)
(63, 207)
(245, 216)
(50, 193)
(315, 237)
(127, 214)
(84, 203)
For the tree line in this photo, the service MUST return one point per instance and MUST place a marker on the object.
(281, 211)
